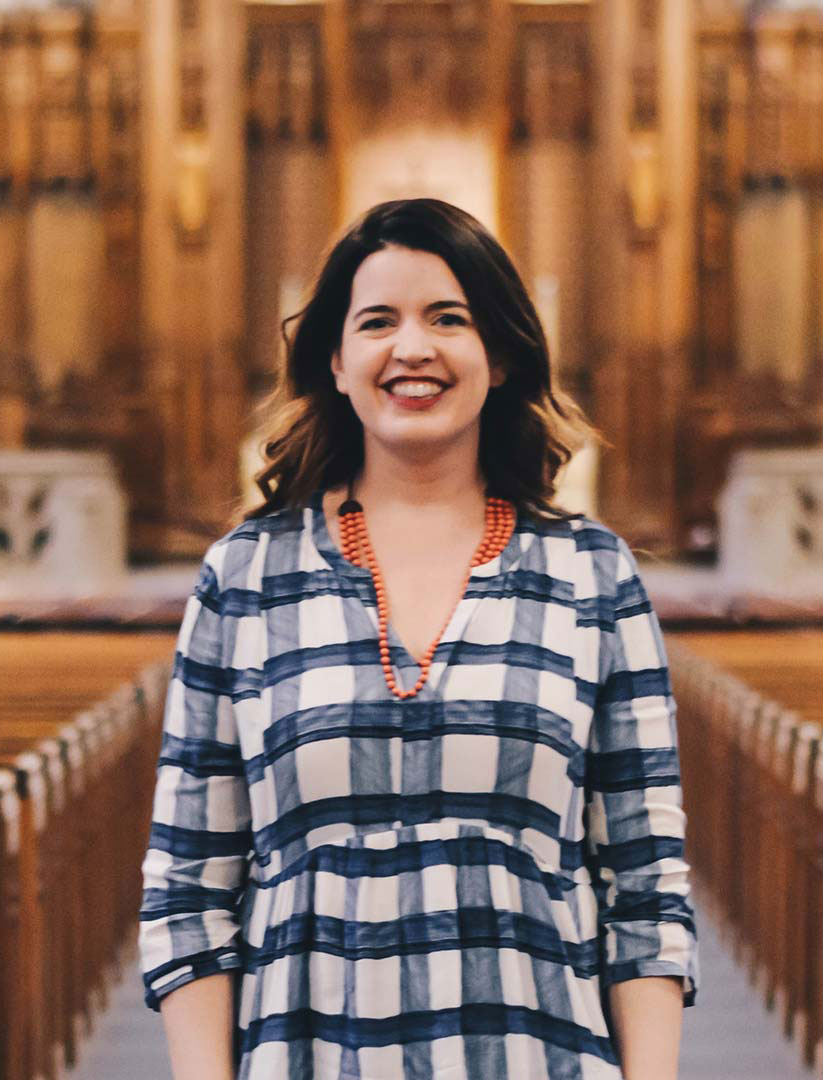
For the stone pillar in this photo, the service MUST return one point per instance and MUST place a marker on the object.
(193, 182)
(643, 291)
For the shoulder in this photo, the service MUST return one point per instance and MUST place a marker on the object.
(588, 541)
(239, 558)
(590, 560)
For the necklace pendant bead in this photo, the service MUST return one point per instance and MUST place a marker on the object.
(350, 506)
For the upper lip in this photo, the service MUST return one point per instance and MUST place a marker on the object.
(387, 383)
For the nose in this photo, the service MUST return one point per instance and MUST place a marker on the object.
(412, 344)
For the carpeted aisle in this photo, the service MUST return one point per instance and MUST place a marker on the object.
(729, 1035)
(128, 1041)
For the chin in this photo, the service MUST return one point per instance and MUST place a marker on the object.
(422, 437)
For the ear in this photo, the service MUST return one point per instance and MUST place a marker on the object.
(497, 373)
(337, 372)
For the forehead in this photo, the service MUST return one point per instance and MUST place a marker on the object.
(397, 275)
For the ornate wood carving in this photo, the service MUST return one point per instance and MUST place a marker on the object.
(761, 126)
(317, 76)
(642, 295)
(404, 14)
(17, 101)
(760, 129)
(69, 117)
(115, 152)
(287, 92)
(808, 86)
(62, 152)
(723, 86)
(644, 184)
(68, 103)
(18, 83)
(771, 112)
(192, 188)
(551, 72)
(418, 62)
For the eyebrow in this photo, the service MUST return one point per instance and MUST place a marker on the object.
(386, 309)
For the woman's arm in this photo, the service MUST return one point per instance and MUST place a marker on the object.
(635, 830)
(198, 1018)
(196, 867)
(647, 1015)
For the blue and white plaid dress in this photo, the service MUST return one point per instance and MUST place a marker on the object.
(434, 888)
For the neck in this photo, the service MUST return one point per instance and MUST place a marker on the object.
(398, 479)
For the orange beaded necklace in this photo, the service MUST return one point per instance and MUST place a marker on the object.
(500, 519)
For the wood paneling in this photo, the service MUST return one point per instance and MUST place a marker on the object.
(209, 150)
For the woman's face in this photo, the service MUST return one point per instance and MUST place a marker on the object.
(411, 359)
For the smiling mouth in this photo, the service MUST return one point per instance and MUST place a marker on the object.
(415, 388)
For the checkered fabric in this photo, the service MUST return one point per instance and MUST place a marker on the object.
(433, 888)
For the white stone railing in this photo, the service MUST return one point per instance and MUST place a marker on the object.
(62, 523)
(771, 521)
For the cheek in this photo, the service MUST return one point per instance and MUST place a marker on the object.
(350, 373)
(362, 366)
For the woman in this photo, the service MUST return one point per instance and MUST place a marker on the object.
(418, 805)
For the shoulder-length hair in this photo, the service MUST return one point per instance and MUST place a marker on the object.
(528, 427)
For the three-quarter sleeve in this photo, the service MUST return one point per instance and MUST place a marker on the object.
(636, 822)
(195, 869)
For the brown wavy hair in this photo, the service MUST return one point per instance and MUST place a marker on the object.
(528, 427)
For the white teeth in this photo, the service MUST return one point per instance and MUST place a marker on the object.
(416, 389)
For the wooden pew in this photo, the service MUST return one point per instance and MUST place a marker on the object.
(813, 1048)
(27, 1009)
(801, 927)
(83, 797)
(753, 790)
(12, 1041)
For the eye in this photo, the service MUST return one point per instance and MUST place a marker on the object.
(459, 320)
(376, 323)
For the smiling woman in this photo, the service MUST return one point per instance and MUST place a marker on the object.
(418, 803)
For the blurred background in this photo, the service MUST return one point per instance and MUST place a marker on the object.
(171, 172)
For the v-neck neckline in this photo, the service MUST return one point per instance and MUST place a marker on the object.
(361, 577)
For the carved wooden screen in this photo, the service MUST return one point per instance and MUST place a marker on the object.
(757, 373)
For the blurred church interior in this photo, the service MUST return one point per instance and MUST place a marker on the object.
(171, 171)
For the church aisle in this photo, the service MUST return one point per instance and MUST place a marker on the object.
(727, 1036)
(128, 1042)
